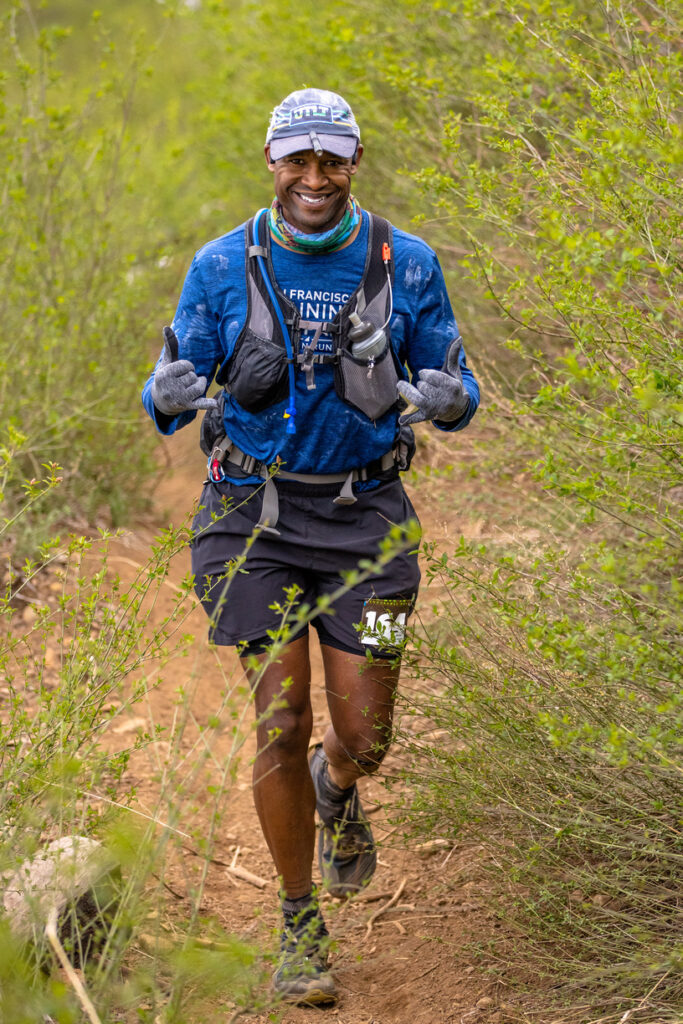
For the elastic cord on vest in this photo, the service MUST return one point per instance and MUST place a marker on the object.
(290, 411)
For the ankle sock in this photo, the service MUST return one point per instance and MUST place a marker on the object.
(303, 920)
(298, 907)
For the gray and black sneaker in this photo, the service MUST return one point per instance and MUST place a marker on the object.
(302, 974)
(347, 857)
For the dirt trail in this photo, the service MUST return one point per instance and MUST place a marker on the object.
(411, 964)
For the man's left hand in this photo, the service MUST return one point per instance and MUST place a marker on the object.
(438, 394)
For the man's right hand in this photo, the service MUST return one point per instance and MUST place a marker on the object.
(176, 387)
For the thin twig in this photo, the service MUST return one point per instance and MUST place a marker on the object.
(643, 1001)
(444, 862)
(178, 895)
(424, 974)
(247, 876)
(74, 980)
(371, 897)
(380, 910)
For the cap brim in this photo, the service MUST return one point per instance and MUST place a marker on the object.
(339, 145)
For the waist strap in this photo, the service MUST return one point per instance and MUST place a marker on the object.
(226, 451)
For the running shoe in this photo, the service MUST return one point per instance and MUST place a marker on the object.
(302, 974)
(347, 857)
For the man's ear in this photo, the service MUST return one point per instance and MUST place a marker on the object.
(271, 163)
(356, 159)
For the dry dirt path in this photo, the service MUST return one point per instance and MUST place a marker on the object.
(412, 964)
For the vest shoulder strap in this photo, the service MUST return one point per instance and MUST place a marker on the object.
(373, 297)
(263, 248)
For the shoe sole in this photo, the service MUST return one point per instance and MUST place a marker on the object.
(315, 996)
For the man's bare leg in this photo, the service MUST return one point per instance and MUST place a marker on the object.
(360, 697)
(285, 803)
(283, 790)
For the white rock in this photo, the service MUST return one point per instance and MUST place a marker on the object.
(58, 876)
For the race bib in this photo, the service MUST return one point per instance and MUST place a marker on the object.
(383, 623)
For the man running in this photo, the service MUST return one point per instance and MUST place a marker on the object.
(312, 316)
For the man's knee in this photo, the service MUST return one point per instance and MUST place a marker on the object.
(285, 734)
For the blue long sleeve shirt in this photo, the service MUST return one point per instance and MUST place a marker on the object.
(331, 436)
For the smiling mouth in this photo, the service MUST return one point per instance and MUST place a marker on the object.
(311, 200)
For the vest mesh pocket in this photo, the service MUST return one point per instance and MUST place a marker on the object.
(371, 389)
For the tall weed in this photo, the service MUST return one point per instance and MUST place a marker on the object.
(554, 670)
(80, 652)
(72, 294)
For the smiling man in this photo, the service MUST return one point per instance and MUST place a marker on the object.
(312, 316)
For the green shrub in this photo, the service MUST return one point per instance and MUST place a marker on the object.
(71, 296)
(559, 718)
(555, 668)
(80, 651)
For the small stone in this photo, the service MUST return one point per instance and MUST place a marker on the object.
(485, 1003)
(129, 725)
(29, 615)
(433, 846)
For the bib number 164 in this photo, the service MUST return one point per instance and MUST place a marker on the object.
(384, 622)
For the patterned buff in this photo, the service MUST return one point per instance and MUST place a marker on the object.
(325, 241)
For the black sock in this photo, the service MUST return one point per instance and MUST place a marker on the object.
(297, 908)
(303, 918)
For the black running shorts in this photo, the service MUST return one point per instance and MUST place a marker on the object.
(318, 543)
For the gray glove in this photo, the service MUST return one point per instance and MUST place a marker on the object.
(176, 387)
(439, 394)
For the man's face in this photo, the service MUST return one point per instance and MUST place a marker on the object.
(313, 190)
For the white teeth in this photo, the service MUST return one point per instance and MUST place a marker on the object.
(312, 200)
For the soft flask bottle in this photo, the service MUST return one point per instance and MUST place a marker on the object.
(367, 342)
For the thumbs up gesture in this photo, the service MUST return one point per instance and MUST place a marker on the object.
(437, 394)
(176, 387)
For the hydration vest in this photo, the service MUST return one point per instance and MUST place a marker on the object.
(256, 375)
